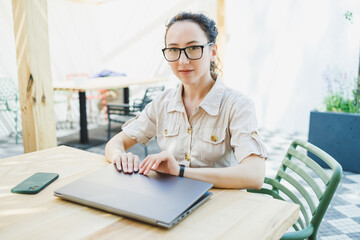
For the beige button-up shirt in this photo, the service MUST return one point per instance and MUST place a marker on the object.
(221, 132)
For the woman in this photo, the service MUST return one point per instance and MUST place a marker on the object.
(206, 130)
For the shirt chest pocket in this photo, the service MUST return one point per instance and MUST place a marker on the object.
(213, 136)
(173, 141)
(171, 131)
(169, 126)
(212, 145)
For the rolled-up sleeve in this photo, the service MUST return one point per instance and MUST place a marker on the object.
(245, 138)
(142, 128)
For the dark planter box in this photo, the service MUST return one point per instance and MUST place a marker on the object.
(338, 134)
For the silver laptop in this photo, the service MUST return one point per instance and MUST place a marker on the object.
(158, 199)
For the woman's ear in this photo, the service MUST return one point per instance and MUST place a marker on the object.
(213, 52)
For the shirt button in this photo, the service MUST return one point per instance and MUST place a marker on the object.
(214, 138)
(254, 133)
(187, 157)
(165, 132)
(189, 131)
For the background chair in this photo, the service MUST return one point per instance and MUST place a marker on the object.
(9, 100)
(296, 181)
(120, 113)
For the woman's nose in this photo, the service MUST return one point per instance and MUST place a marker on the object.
(183, 59)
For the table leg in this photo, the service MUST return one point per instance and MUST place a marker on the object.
(126, 98)
(126, 92)
(84, 137)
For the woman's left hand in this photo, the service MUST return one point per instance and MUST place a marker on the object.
(162, 162)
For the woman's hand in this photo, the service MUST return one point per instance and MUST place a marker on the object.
(162, 162)
(126, 162)
(115, 152)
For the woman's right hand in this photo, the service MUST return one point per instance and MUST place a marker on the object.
(126, 162)
(115, 152)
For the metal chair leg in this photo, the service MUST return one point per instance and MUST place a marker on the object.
(16, 128)
(146, 150)
(109, 129)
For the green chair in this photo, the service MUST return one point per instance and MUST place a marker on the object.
(9, 100)
(312, 189)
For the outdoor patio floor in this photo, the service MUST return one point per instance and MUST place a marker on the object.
(342, 220)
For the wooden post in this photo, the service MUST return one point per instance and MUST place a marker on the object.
(221, 39)
(35, 82)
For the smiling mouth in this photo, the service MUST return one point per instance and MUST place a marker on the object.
(185, 71)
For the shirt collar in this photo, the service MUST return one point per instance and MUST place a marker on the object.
(210, 103)
(176, 104)
(212, 100)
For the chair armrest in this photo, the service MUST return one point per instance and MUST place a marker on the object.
(123, 109)
(125, 105)
(119, 105)
(137, 101)
(302, 234)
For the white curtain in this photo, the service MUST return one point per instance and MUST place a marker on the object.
(280, 53)
(277, 51)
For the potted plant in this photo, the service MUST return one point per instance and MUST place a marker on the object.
(335, 128)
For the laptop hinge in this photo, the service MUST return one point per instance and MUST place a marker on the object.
(162, 224)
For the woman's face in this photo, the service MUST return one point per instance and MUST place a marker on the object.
(184, 34)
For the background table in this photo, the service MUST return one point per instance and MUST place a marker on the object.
(229, 214)
(83, 85)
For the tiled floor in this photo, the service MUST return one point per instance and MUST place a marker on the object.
(342, 220)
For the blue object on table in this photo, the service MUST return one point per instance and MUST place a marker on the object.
(108, 73)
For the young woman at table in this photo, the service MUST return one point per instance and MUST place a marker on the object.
(206, 130)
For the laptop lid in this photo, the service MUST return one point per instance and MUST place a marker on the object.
(157, 198)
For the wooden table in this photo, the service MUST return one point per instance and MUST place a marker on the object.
(228, 214)
(83, 85)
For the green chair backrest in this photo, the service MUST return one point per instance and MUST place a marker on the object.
(293, 183)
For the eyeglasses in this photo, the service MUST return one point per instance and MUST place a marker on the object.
(192, 52)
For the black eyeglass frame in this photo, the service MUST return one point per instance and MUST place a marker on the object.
(183, 50)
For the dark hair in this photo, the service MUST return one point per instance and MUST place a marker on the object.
(207, 25)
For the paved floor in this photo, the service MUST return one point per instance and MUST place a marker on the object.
(342, 220)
